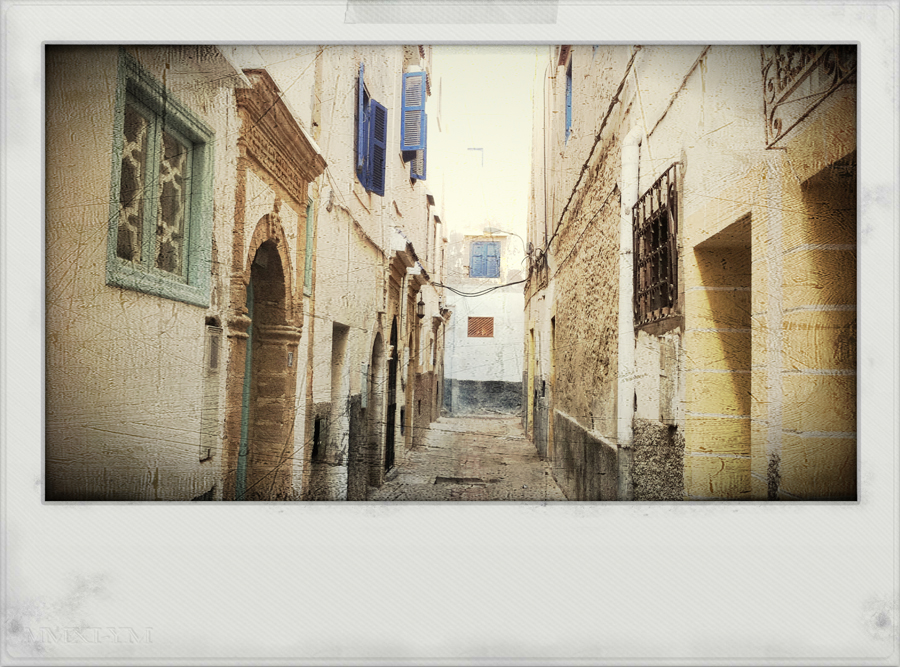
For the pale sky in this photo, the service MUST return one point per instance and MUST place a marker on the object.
(485, 99)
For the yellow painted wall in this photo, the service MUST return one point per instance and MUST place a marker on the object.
(804, 312)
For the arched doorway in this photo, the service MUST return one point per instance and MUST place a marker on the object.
(390, 421)
(267, 407)
(365, 465)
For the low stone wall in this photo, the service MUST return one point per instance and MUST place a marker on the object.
(468, 397)
(423, 407)
(584, 465)
(524, 399)
(320, 459)
(541, 426)
(358, 454)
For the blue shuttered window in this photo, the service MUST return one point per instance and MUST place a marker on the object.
(417, 167)
(362, 114)
(414, 123)
(492, 260)
(377, 147)
(476, 261)
(412, 131)
(484, 260)
(371, 139)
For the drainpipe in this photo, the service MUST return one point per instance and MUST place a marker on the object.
(631, 159)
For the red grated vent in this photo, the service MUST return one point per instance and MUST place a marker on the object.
(481, 327)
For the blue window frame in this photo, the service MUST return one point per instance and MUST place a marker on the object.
(371, 139)
(484, 259)
(160, 223)
(417, 166)
(414, 123)
(568, 100)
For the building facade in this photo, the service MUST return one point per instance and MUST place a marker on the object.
(220, 316)
(482, 176)
(691, 308)
(484, 367)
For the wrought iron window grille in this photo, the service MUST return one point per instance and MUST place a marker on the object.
(655, 229)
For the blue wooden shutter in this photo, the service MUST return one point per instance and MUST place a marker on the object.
(412, 127)
(377, 147)
(417, 166)
(476, 261)
(362, 140)
(492, 260)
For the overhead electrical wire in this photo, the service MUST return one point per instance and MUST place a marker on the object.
(487, 290)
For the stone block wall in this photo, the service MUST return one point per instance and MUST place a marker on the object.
(658, 465)
(470, 397)
(584, 463)
(358, 454)
(586, 308)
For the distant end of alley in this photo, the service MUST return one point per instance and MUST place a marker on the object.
(471, 458)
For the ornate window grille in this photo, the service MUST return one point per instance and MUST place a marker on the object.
(655, 228)
(797, 78)
(160, 222)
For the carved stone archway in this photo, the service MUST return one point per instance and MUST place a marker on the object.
(264, 464)
(264, 323)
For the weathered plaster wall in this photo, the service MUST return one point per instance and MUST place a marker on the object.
(352, 242)
(804, 274)
(760, 284)
(586, 305)
(757, 271)
(124, 369)
(573, 297)
(584, 462)
(498, 358)
(355, 240)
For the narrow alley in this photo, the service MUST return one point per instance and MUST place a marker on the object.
(471, 458)
(351, 282)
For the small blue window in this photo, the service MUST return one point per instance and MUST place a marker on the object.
(412, 129)
(414, 123)
(568, 100)
(371, 139)
(484, 261)
(417, 166)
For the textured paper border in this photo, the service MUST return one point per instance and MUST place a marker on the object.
(576, 583)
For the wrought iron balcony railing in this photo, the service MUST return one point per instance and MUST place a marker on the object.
(797, 78)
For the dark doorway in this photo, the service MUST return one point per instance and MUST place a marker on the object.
(264, 470)
(392, 400)
(370, 466)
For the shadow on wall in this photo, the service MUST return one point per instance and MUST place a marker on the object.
(477, 397)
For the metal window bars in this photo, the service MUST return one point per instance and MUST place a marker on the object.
(655, 229)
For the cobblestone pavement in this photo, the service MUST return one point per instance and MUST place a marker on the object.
(471, 458)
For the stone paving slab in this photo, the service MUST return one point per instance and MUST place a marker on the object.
(471, 458)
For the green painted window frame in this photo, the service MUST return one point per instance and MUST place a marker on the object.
(310, 239)
(137, 87)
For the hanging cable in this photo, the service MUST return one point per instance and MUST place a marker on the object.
(479, 293)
